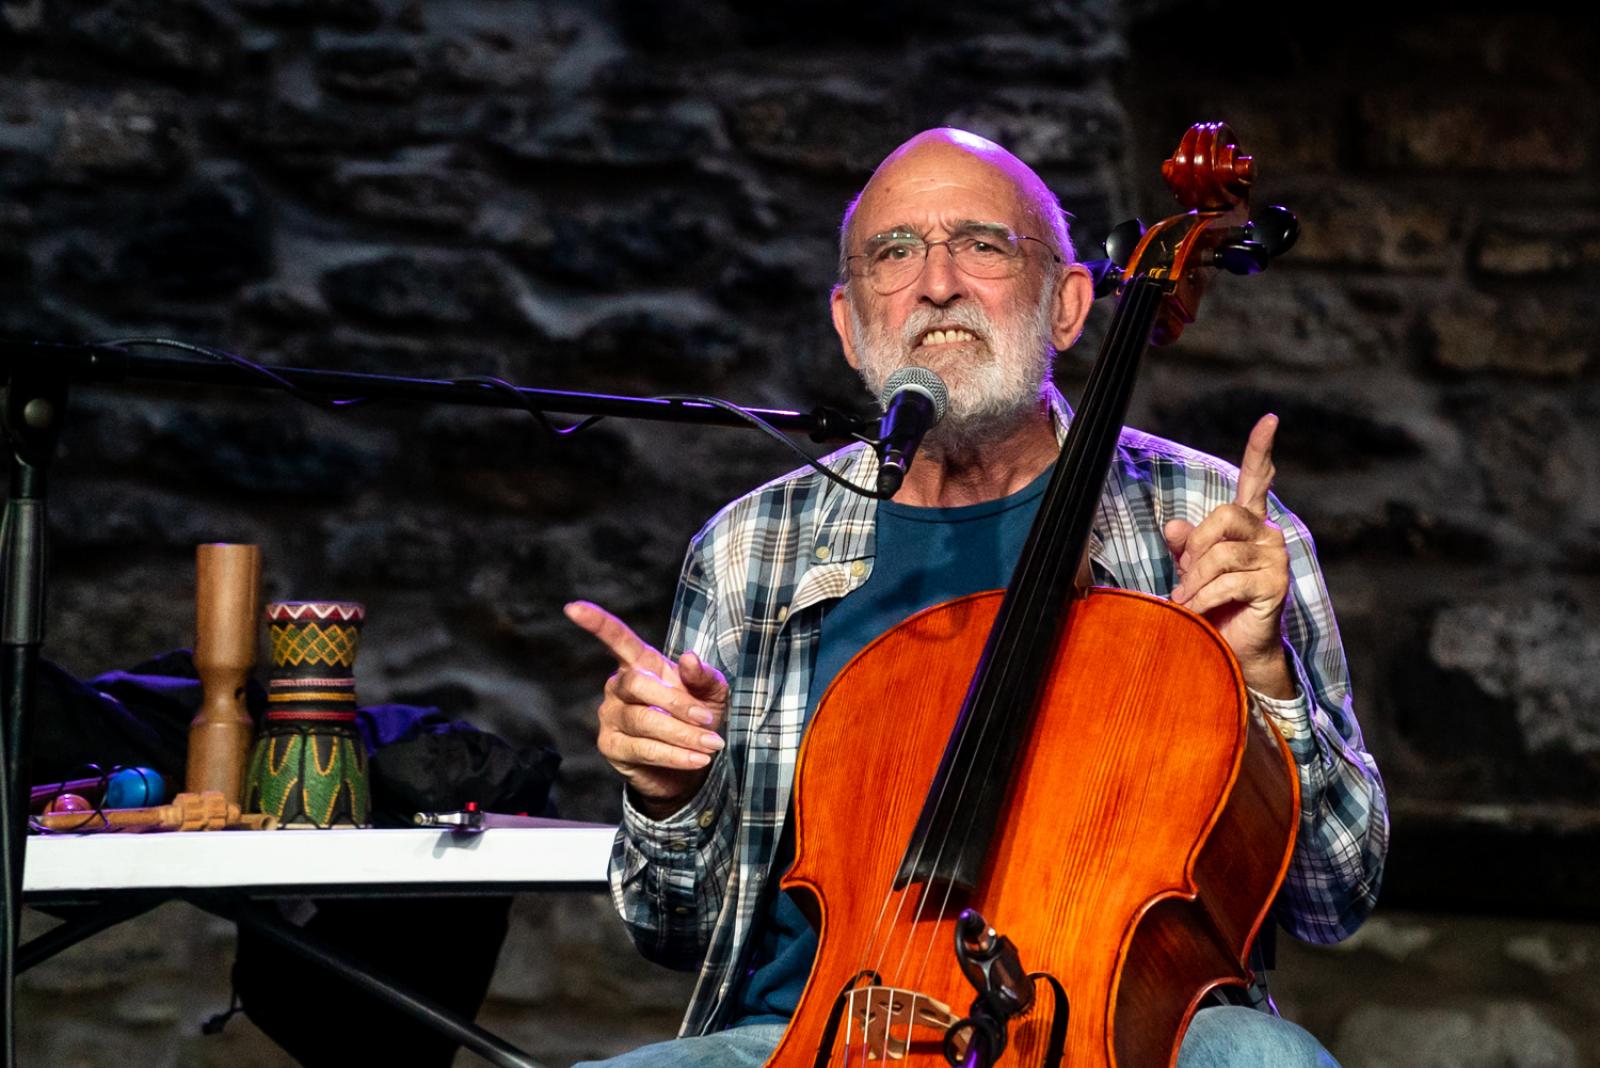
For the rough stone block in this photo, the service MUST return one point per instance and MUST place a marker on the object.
(1535, 654)
(821, 130)
(1289, 318)
(680, 132)
(241, 450)
(494, 58)
(684, 26)
(1481, 1035)
(1531, 336)
(615, 561)
(1532, 48)
(1548, 955)
(1530, 247)
(349, 14)
(509, 462)
(1081, 129)
(1285, 140)
(1534, 461)
(271, 307)
(1029, 57)
(186, 39)
(207, 241)
(659, 239)
(1321, 433)
(423, 191)
(22, 17)
(627, 343)
(445, 288)
(564, 945)
(757, 279)
(98, 622)
(138, 137)
(292, 135)
(1396, 529)
(1354, 224)
(98, 515)
(406, 349)
(1509, 132)
(384, 68)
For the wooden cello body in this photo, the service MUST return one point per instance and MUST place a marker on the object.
(1133, 812)
(1098, 791)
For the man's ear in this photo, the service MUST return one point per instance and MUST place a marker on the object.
(1073, 299)
(839, 305)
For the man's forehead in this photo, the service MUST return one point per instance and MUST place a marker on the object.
(945, 176)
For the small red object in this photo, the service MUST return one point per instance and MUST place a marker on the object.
(69, 803)
(472, 806)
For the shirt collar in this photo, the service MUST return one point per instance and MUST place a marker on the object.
(847, 520)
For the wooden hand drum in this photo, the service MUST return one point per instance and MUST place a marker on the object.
(309, 768)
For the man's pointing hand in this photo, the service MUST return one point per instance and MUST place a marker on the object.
(659, 720)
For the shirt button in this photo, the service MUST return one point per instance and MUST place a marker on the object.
(783, 613)
(682, 910)
(858, 568)
(706, 818)
(823, 552)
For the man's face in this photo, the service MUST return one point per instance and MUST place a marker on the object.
(988, 338)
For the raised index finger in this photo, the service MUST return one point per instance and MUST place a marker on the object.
(629, 649)
(1256, 470)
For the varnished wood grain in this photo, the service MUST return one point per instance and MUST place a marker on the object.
(1117, 820)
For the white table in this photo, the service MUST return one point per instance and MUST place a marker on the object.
(224, 872)
(339, 861)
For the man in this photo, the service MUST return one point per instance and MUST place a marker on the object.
(954, 257)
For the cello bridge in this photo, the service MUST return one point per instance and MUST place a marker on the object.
(883, 1019)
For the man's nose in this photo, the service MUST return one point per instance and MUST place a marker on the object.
(940, 281)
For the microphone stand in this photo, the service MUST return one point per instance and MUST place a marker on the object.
(110, 364)
(36, 376)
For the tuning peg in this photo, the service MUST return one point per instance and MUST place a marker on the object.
(1276, 229)
(1105, 275)
(1122, 240)
(1241, 257)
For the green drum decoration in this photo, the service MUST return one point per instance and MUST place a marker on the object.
(309, 766)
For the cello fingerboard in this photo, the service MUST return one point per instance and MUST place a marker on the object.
(958, 819)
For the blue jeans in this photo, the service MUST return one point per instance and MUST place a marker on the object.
(1223, 1037)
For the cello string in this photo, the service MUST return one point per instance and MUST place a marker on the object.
(1121, 374)
(1044, 560)
(1007, 653)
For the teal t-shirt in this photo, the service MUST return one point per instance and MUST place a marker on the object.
(923, 556)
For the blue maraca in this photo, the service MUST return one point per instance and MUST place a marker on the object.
(135, 788)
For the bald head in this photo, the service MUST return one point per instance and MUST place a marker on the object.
(945, 161)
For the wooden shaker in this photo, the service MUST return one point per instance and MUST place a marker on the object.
(227, 611)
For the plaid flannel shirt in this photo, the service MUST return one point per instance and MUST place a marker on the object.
(751, 598)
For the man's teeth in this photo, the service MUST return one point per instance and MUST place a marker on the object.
(945, 337)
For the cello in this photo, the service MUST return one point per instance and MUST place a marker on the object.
(1078, 768)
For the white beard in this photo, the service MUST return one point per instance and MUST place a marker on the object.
(990, 395)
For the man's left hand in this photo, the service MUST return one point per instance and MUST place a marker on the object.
(1233, 569)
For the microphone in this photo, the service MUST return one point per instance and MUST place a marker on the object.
(914, 400)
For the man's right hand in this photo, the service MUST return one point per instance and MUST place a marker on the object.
(659, 721)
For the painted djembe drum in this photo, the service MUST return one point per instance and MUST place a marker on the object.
(309, 766)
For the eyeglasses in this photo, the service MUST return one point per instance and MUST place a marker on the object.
(893, 260)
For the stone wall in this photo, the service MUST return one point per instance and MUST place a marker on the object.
(640, 197)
